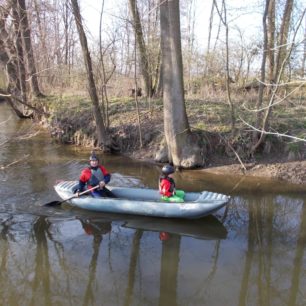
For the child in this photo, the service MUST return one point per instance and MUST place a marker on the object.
(94, 175)
(167, 186)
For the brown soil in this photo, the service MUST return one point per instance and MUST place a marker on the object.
(292, 172)
(275, 164)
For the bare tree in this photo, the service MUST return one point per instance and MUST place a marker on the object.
(282, 59)
(270, 27)
(183, 149)
(223, 17)
(103, 137)
(144, 61)
(29, 55)
(14, 64)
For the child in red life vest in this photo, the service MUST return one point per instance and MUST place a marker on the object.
(167, 186)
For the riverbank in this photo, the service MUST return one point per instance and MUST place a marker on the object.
(293, 172)
(72, 123)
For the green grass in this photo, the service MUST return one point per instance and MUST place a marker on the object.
(202, 114)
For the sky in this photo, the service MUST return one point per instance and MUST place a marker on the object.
(248, 22)
(90, 11)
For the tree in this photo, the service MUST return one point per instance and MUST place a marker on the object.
(29, 55)
(103, 137)
(277, 62)
(11, 57)
(183, 148)
(144, 61)
(223, 18)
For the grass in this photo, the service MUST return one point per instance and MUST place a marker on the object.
(211, 116)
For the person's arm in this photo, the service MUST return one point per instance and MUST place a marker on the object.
(82, 181)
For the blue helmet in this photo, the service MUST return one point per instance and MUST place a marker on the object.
(168, 169)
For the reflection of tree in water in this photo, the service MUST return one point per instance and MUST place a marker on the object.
(42, 269)
(262, 233)
(97, 230)
(40, 283)
(5, 225)
(169, 270)
(260, 242)
(132, 267)
(298, 261)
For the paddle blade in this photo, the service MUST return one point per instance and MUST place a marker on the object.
(53, 203)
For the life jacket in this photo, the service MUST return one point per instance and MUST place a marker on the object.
(170, 180)
(96, 176)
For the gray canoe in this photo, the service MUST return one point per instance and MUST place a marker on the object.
(144, 201)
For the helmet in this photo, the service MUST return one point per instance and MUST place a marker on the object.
(93, 156)
(167, 169)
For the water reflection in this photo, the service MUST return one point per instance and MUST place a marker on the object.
(250, 253)
(97, 230)
(84, 259)
(297, 277)
(169, 267)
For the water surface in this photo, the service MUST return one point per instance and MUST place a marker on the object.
(250, 253)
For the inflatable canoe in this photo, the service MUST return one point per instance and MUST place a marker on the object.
(144, 201)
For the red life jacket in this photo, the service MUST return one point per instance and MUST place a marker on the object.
(87, 177)
(166, 186)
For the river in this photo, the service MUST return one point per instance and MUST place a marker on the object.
(250, 253)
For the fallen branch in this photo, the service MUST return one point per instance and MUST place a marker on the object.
(271, 133)
(14, 162)
(28, 136)
(4, 142)
(3, 122)
(238, 157)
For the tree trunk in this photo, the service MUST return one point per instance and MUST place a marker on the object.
(183, 148)
(103, 137)
(223, 18)
(44, 59)
(283, 38)
(19, 50)
(271, 40)
(29, 55)
(144, 61)
(259, 103)
(263, 119)
(9, 60)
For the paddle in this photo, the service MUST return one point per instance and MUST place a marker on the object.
(107, 192)
(56, 203)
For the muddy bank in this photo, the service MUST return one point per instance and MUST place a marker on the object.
(280, 161)
(292, 172)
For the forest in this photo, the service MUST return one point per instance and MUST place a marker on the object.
(146, 81)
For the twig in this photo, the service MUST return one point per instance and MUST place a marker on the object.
(274, 103)
(2, 143)
(239, 159)
(271, 133)
(3, 122)
(27, 136)
(14, 162)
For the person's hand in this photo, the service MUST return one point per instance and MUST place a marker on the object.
(102, 184)
(77, 192)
